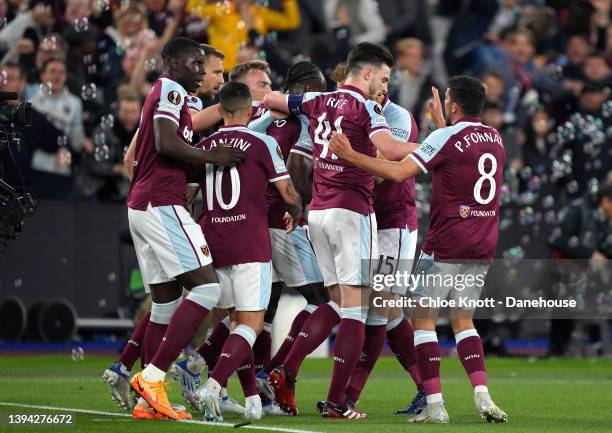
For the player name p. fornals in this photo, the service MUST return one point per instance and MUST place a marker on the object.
(467, 302)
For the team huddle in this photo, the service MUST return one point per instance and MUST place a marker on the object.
(311, 190)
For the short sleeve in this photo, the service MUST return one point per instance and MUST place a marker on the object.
(402, 124)
(273, 160)
(171, 99)
(262, 123)
(194, 103)
(303, 146)
(430, 153)
(374, 121)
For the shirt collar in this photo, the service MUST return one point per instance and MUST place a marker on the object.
(468, 119)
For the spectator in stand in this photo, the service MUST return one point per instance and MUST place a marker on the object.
(102, 174)
(41, 137)
(65, 112)
(53, 46)
(361, 17)
(494, 84)
(411, 83)
(520, 71)
(30, 24)
(577, 50)
(405, 18)
(233, 23)
(597, 70)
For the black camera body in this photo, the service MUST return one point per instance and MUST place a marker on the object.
(14, 205)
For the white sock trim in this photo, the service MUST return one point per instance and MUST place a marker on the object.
(226, 322)
(354, 313)
(376, 320)
(153, 374)
(162, 313)
(465, 334)
(247, 333)
(335, 306)
(267, 327)
(422, 337)
(434, 398)
(395, 322)
(310, 308)
(481, 388)
(206, 295)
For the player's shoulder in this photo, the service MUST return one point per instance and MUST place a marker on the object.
(170, 90)
(263, 138)
(194, 103)
(441, 135)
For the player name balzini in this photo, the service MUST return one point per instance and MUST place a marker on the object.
(229, 219)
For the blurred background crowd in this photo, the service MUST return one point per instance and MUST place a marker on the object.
(87, 65)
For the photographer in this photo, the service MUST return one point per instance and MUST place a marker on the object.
(42, 136)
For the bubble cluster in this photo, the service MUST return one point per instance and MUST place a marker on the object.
(151, 64)
(108, 121)
(81, 24)
(49, 43)
(89, 92)
(46, 88)
(78, 354)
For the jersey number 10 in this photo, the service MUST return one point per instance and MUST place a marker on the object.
(323, 131)
(214, 180)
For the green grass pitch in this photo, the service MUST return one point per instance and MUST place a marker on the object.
(563, 395)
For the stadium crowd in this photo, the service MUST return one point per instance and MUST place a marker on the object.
(87, 65)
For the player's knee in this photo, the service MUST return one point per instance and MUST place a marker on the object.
(206, 295)
(161, 313)
(461, 324)
(246, 332)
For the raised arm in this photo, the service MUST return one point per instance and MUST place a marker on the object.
(293, 201)
(390, 170)
(169, 145)
(206, 118)
(277, 101)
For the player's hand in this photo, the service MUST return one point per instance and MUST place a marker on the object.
(226, 155)
(341, 146)
(289, 223)
(435, 108)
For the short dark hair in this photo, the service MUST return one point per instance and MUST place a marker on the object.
(241, 69)
(367, 53)
(492, 106)
(469, 93)
(177, 48)
(234, 96)
(209, 50)
(301, 73)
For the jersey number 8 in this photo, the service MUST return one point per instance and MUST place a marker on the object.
(485, 176)
(214, 179)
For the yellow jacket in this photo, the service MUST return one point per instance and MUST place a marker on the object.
(227, 31)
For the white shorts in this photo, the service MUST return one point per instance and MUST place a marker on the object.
(168, 243)
(293, 260)
(441, 280)
(245, 287)
(345, 244)
(396, 249)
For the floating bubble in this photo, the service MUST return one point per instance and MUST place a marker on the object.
(526, 216)
(505, 223)
(78, 354)
(525, 240)
(102, 303)
(81, 24)
(526, 172)
(87, 59)
(62, 141)
(573, 241)
(108, 121)
(3, 77)
(46, 88)
(342, 33)
(112, 277)
(548, 201)
(49, 43)
(89, 92)
(550, 217)
(572, 187)
(101, 5)
(92, 69)
(18, 282)
(150, 65)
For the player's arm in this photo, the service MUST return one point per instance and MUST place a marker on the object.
(300, 170)
(391, 148)
(169, 145)
(206, 118)
(277, 101)
(191, 191)
(293, 201)
(130, 156)
(396, 171)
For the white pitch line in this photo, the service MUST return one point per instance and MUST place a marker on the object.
(186, 421)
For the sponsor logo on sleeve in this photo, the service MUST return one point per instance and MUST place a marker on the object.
(464, 211)
(378, 109)
(174, 97)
